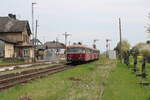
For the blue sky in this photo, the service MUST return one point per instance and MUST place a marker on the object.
(84, 19)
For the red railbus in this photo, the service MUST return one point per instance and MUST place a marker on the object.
(80, 53)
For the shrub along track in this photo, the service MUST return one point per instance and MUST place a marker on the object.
(10, 80)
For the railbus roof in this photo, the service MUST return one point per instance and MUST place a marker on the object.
(81, 46)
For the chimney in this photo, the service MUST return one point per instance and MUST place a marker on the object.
(79, 43)
(94, 46)
(12, 16)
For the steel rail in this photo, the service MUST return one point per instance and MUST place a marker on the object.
(10, 82)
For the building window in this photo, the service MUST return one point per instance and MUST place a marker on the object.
(26, 53)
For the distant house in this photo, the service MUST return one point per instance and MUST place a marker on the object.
(39, 51)
(18, 31)
(56, 46)
(54, 50)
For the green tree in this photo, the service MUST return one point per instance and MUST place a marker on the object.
(148, 27)
(134, 52)
(123, 51)
(144, 50)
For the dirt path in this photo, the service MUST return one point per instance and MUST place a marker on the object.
(107, 69)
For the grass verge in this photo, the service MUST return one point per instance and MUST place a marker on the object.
(81, 83)
(123, 85)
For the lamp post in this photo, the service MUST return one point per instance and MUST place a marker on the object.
(66, 37)
(33, 20)
(34, 58)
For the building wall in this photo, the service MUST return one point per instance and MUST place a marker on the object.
(16, 52)
(49, 54)
(2, 49)
(22, 37)
(28, 54)
(31, 52)
(21, 52)
(25, 37)
(9, 50)
(13, 36)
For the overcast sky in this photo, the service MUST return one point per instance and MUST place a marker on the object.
(84, 19)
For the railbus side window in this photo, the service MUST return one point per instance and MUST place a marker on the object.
(83, 50)
(88, 50)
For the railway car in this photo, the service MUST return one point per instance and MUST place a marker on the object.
(80, 53)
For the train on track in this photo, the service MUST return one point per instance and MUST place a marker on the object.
(80, 53)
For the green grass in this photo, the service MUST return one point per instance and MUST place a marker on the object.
(6, 63)
(122, 85)
(85, 82)
(139, 66)
(81, 83)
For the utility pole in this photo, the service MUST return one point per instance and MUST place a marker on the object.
(95, 40)
(94, 43)
(66, 37)
(57, 40)
(107, 47)
(120, 33)
(33, 20)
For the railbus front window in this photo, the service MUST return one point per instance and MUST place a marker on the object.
(75, 50)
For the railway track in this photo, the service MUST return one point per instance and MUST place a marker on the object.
(10, 80)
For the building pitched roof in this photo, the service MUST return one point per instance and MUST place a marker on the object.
(54, 45)
(7, 40)
(8, 24)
